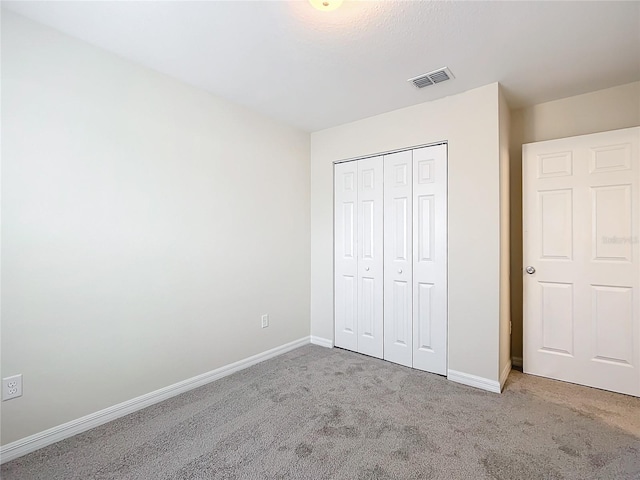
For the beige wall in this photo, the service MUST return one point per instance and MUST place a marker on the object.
(146, 226)
(610, 109)
(469, 122)
(505, 253)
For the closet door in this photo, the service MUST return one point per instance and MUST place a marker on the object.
(346, 255)
(370, 251)
(398, 254)
(430, 259)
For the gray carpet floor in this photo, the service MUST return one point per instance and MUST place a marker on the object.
(316, 413)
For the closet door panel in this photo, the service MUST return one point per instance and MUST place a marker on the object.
(370, 256)
(346, 255)
(430, 259)
(398, 254)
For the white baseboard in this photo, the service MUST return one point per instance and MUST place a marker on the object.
(473, 381)
(516, 361)
(323, 342)
(504, 374)
(34, 442)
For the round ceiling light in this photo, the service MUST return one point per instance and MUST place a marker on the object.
(326, 5)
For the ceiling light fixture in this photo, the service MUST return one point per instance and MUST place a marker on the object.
(325, 5)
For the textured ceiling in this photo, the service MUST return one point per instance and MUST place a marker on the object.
(315, 69)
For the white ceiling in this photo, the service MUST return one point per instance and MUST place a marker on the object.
(315, 69)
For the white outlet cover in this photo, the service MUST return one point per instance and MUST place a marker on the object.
(265, 321)
(11, 387)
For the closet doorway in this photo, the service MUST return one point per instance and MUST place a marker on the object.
(390, 256)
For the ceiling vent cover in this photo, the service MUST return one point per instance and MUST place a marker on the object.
(441, 75)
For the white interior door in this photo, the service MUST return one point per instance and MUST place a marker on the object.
(346, 255)
(398, 264)
(370, 256)
(430, 259)
(581, 222)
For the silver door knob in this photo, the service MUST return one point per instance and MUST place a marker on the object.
(530, 270)
(399, 270)
(366, 269)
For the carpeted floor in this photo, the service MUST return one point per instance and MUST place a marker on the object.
(317, 413)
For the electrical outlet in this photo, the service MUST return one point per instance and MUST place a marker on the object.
(11, 387)
(265, 320)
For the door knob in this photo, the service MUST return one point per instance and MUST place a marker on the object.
(399, 270)
(530, 270)
(366, 269)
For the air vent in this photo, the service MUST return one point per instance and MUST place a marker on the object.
(431, 78)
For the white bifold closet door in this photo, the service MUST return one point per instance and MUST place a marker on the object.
(359, 255)
(398, 255)
(346, 255)
(430, 298)
(399, 313)
(415, 258)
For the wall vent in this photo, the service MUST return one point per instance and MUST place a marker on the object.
(441, 75)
